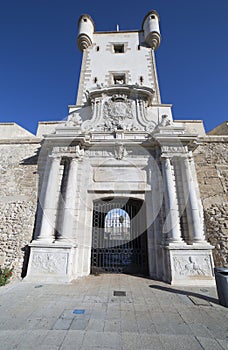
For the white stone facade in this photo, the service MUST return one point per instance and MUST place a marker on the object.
(120, 144)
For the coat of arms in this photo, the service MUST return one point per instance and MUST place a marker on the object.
(118, 113)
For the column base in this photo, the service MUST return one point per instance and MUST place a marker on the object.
(189, 265)
(175, 243)
(51, 263)
(43, 240)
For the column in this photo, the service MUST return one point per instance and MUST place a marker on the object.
(193, 210)
(48, 204)
(70, 199)
(172, 221)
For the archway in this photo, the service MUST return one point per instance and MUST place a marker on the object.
(119, 242)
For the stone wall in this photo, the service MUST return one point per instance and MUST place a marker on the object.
(18, 198)
(211, 160)
(19, 185)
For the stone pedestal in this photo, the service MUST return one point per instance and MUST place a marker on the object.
(53, 263)
(189, 265)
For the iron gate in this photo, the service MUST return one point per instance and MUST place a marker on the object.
(118, 243)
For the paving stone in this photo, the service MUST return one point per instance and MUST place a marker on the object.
(45, 316)
(131, 341)
(209, 344)
(72, 340)
(11, 339)
(96, 325)
(112, 325)
(223, 343)
(172, 342)
(79, 324)
(63, 324)
(53, 338)
(31, 339)
(108, 339)
(200, 330)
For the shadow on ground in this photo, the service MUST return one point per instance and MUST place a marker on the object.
(187, 293)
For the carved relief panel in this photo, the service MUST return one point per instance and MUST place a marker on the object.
(119, 108)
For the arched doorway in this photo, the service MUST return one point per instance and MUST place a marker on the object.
(119, 243)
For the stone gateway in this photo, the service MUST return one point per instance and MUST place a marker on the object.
(117, 188)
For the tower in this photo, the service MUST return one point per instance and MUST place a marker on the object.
(119, 191)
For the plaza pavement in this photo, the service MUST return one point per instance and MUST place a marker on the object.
(86, 315)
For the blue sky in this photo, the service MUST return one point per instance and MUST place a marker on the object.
(40, 62)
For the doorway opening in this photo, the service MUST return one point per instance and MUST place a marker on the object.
(119, 242)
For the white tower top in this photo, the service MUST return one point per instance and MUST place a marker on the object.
(86, 29)
(118, 57)
(151, 29)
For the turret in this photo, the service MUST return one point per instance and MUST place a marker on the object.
(151, 29)
(86, 28)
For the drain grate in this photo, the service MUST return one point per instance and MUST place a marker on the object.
(119, 293)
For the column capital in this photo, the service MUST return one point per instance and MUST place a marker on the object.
(165, 157)
(55, 158)
(74, 159)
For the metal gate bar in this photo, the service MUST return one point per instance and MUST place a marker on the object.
(118, 245)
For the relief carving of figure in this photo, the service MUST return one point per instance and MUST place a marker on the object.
(193, 268)
(49, 263)
(79, 152)
(120, 151)
(188, 266)
(165, 121)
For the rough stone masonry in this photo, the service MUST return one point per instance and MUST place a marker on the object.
(19, 185)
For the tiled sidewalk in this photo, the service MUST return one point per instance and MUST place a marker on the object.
(87, 315)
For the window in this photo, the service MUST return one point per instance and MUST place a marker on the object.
(152, 17)
(119, 79)
(118, 48)
(85, 19)
(97, 48)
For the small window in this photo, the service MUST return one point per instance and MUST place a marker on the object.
(98, 48)
(85, 19)
(152, 17)
(141, 79)
(118, 48)
(95, 80)
(119, 79)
